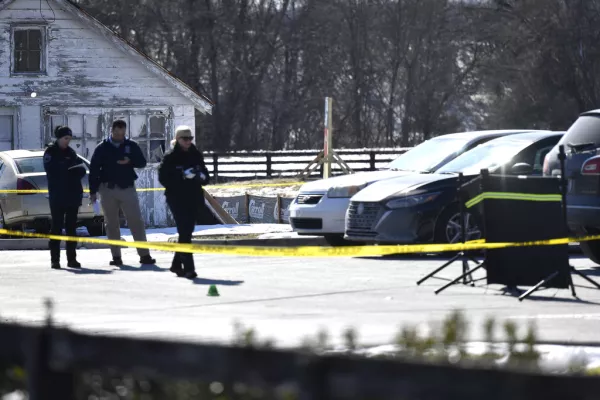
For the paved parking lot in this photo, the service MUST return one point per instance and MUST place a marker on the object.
(283, 298)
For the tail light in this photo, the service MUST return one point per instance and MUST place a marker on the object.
(23, 184)
(591, 166)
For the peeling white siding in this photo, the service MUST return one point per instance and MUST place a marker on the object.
(29, 127)
(84, 69)
(88, 80)
(184, 115)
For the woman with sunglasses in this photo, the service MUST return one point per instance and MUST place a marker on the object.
(183, 173)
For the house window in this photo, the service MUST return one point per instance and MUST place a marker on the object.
(150, 133)
(28, 46)
(149, 128)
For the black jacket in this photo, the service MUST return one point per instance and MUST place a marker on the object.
(170, 174)
(104, 166)
(64, 182)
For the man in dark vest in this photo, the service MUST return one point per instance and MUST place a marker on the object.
(64, 171)
(112, 175)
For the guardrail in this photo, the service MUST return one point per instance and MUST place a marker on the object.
(55, 358)
(259, 164)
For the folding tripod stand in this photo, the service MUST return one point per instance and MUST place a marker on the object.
(462, 255)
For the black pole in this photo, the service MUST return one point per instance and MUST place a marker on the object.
(461, 209)
(463, 228)
(563, 184)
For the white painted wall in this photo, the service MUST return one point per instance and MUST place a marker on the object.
(84, 69)
(87, 75)
(185, 115)
(30, 120)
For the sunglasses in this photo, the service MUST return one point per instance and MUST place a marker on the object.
(186, 137)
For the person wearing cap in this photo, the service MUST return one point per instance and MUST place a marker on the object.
(113, 176)
(183, 173)
(64, 171)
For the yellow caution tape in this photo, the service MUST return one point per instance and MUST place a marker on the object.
(23, 191)
(304, 251)
(512, 196)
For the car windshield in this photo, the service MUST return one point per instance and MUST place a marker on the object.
(428, 155)
(490, 155)
(35, 165)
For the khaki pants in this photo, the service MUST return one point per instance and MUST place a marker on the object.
(113, 200)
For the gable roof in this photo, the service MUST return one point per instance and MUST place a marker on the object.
(201, 102)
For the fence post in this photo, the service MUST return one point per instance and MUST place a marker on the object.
(279, 211)
(45, 383)
(372, 160)
(215, 166)
(269, 166)
(247, 204)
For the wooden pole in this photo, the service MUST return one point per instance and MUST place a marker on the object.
(327, 142)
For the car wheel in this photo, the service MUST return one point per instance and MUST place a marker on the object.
(591, 249)
(447, 228)
(96, 229)
(338, 240)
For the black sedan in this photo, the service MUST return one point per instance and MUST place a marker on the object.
(423, 208)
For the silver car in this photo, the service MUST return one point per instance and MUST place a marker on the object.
(24, 170)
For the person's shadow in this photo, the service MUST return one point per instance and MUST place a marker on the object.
(87, 271)
(208, 281)
(143, 267)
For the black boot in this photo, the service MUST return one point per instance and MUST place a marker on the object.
(55, 265)
(74, 264)
(176, 264)
(117, 261)
(191, 274)
(147, 260)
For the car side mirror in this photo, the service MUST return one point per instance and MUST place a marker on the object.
(521, 169)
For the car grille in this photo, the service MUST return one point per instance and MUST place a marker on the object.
(363, 223)
(306, 223)
(308, 198)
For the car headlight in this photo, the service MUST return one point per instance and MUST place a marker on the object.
(345, 191)
(414, 200)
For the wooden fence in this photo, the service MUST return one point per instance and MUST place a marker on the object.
(53, 357)
(266, 165)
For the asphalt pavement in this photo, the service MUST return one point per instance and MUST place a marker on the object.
(285, 299)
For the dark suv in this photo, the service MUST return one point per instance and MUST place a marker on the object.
(582, 169)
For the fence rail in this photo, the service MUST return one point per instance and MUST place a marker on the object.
(53, 356)
(259, 164)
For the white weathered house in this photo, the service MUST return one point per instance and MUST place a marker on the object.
(58, 65)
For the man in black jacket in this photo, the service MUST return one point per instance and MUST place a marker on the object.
(183, 173)
(112, 175)
(64, 171)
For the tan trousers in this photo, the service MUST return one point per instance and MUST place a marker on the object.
(113, 200)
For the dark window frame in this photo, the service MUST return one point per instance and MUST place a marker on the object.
(43, 50)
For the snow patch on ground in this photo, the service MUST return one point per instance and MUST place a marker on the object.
(266, 231)
(263, 191)
(285, 235)
(553, 358)
(200, 231)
